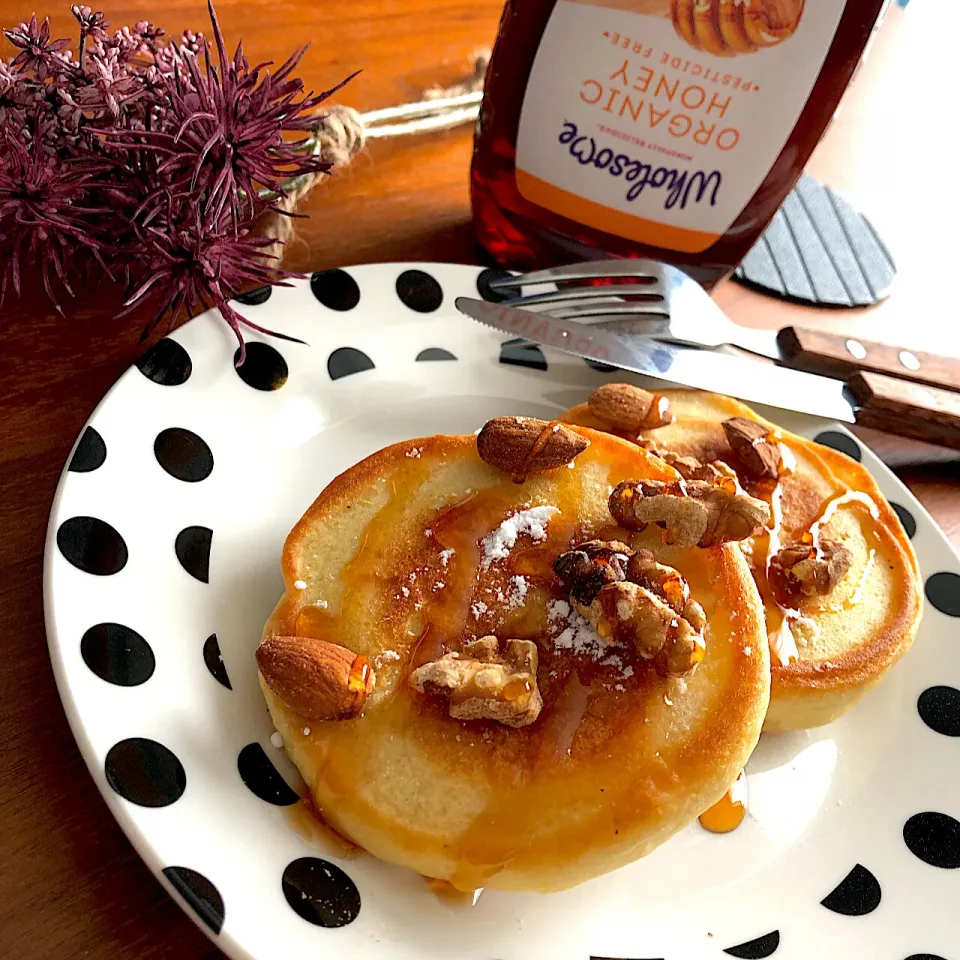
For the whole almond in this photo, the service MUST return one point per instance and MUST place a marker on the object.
(524, 445)
(315, 678)
(628, 408)
(757, 452)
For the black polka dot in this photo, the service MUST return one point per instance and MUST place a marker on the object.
(263, 368)
(117, 654)
(321, 892)
(166, 363)
(756, 949)
(419, 291)
(662, 360)
(193, 551)
(486, 277)
(145, 772)
(906, 518)
(435, 353)
(521, 354)
(840, 441)
(214, 661)
(924, 956)
(204, 898)
(597, 365)
(92, 545)
(90, 452)
(943, 591)
(939, 708)
(183, 454)
(934, 838)
(262, 777)
(856, 895)
(347, 360)
(253, 298)
(335, 289)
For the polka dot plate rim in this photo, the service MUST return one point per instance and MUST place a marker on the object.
(162, 563)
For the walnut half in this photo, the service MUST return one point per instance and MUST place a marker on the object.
(801, 570)
(592, 565)
(484, 683)
(695, 513)
(646, 606)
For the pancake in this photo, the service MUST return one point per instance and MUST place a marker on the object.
(841, 644)
(405, 557)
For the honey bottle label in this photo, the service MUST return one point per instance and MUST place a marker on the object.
(657, 120)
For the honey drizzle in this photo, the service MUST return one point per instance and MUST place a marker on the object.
(782, 640)
(783, 644)
(728, 812)
(851, 496)
(448, 893)
(310, 824)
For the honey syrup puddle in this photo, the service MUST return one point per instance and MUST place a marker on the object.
(728, 812)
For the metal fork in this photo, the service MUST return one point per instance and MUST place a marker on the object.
(665, 304)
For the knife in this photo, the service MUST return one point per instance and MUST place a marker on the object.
(897, 406)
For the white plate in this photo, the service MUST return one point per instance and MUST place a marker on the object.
(852, 845)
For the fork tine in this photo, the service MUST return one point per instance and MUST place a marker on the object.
(643, 312)
(644, 271)
(645, 294)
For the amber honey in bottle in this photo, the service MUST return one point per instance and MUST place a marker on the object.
(670, 129)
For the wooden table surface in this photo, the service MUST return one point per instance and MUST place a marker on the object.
(70, 884)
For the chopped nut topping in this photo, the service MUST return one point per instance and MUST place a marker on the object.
(801, 570)
(629, 409)
(755, 448)
(695, 513)
(629, 613)
(592, 565)
(481, 682)
(692, 469)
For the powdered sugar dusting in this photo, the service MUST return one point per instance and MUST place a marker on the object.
(514, 595)
(478, 609)
(533, 522)
(445, 556)
(414, 452)
(576, 634)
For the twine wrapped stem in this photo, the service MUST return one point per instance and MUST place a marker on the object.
(342, 133)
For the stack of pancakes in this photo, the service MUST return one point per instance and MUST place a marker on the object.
(408, 558)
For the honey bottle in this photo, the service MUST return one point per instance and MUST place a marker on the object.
(670, 129)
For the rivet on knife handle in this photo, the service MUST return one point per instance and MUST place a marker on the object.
(841, 356)
(908, 409)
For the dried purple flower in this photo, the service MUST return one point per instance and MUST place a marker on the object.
(42, 216)
(199, 263)
(91, 24)
(223, 129)
(149, 152)
(37, 51)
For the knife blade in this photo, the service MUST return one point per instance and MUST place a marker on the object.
(722, 373)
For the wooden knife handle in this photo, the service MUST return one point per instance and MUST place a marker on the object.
(908, 409)
(837, 355)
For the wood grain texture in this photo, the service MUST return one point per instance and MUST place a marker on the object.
(907, 409)
(71, 885)
(838, 355)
